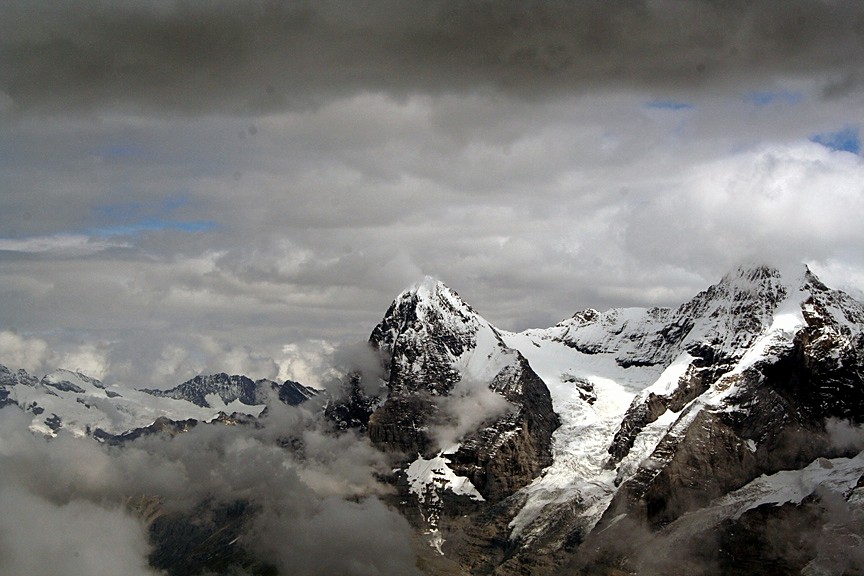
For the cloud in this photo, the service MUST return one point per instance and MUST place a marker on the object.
(40, 537)
(305, 362)
(37, 357)
(318, 496)
(470, 404)
(783, 204)
(20, 352)
(260, 56)
(276, 174)
(845, 436)
(339, 538)
(60, 244)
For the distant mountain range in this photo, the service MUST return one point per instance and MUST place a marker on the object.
(83, 406)
(691, 440)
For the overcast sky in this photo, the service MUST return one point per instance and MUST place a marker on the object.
(237, 186)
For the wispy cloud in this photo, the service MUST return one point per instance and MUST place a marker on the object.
(95, 240)
(61, 244)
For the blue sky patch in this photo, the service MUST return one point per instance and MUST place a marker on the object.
(132, 218)
(847, 140)
(673, 105)
(769, 97)
(153, 225)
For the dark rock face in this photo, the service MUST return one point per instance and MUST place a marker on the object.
(354, 407)
(236, 387)
(65, 386)
(9, 378)
(292, 393)
(444, 325)
(161, 426)
(402, 424)
(507, 455)
(196, 390)
(204, 541)
(694, 382)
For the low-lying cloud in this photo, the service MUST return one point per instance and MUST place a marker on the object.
(316, 499)
(470, 404)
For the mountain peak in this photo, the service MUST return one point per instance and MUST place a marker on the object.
(429, 285)
(752, 274)
(792, 278)
(428, 290)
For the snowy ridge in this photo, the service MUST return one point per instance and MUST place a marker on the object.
(601, 366)
(726, 316)
(81, 405)
(838, 475)
(673, 419)
(577, 473)
(437, 343)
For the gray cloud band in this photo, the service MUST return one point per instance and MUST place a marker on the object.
(253, 57)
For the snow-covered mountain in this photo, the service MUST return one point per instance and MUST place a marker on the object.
(464, 413)
(662, 411)
(84, 406)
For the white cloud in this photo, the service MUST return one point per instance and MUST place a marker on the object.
(20, 352)
(781, 203)
(79, 537)
(61, 244)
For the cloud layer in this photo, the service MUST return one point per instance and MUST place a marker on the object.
(66, 502)
(264, 56)
(237, 187)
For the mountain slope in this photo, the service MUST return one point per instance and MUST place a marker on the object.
(739, 381)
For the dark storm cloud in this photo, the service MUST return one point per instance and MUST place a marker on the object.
(264, 56)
